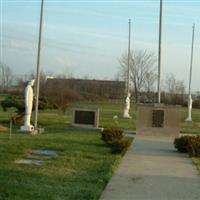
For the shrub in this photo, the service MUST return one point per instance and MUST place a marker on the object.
(114, 138)
(188, 144)
(111, 135)
(120, 146)
(181, 144)
(17, 102)
(196, 103)
(194, 146)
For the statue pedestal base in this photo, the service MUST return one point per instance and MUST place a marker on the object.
(189, 119)
(31, 129)
(26, 128)
(126, 115)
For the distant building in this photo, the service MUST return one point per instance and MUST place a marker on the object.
(89, 88)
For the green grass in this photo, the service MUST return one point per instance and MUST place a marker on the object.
(110, 108)
(58, 118)
(197, 162)
(190, 127)
(86, 163)
(81, 171)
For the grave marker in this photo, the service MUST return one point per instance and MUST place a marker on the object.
(158, 120)
(84, 117)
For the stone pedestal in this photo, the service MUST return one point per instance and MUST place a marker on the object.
(28, 128)
(158, 120)
(126, 114)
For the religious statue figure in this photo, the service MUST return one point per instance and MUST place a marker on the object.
(127, 107)
(27, 127)
(189, 118)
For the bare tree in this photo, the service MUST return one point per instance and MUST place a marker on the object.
(65, 75)
(43, 77)
(149, 82)
(6, 76)
(174, 86)
(175, 89)
(142, 67)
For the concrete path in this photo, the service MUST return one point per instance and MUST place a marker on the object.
(153, 170)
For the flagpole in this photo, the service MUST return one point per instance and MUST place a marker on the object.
(159, 52)
(127, 106)
(38, 67)
(189, 118)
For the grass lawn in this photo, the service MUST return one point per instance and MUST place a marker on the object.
(197, 162)
(58, 118)
(85, 164)
(81, 171)
(108, 110)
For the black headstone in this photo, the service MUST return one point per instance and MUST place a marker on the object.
(157, 118)
(84, 117)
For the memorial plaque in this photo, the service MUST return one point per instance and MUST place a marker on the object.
(84, 117)
(157, 118)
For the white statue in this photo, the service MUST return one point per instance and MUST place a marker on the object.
(127, 107)
(189, 118)
(27, 127)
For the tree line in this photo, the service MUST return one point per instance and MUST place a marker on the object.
(143, 77)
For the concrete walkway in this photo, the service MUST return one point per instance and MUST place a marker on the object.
(153, 170)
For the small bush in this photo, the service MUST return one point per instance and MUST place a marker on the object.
(194, 146)
(181, 144)
(188, 144)
(120, 146)
(114, 138)
(196, 103)
(111, 135)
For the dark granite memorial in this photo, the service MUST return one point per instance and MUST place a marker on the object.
(157, 118)
(86, 117)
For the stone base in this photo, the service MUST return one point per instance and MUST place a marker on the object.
(31, 130)
(149, 124)
(28, 129)
(126, 115)
(37, 131)
(188, 119)
(87, 127)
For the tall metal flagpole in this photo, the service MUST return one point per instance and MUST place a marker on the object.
(129, 47)
(38, 67)
(127, 107)
(189, 118)
(159, 52)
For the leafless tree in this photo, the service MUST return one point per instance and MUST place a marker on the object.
(142, 70)
(175, 89)
(174, 86)
(6, 76)
(149, 82)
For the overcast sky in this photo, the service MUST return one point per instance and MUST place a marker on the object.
(88, 37)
